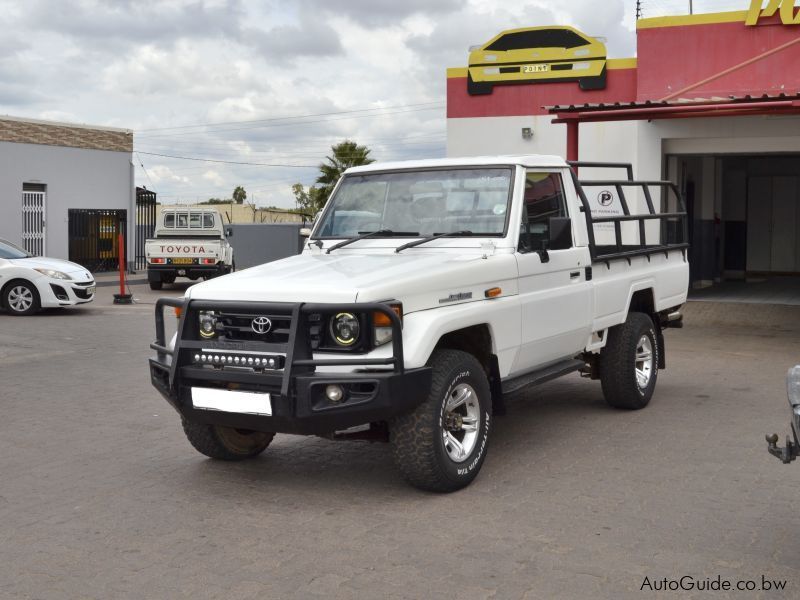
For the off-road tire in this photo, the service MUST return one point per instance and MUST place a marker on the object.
(12, 290)
(156, 285)
(417, 437)
(225, 443)
(618, 363)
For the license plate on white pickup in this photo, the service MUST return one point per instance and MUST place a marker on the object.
(250, 403)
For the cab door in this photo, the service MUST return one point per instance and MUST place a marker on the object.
(555, 295)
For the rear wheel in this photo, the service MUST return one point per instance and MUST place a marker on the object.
(629, 363)
(156, 285)
(442, 444)
(226, 443)
(20, 298)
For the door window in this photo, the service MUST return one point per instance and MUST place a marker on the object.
(544, 198)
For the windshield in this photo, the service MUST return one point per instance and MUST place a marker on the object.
(9, 250)
(427, 202)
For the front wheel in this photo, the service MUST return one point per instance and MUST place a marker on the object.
(442, 444)
(21, 298)
(629, 363)
(226, 443)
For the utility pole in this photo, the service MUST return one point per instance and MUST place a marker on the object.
(638, 9)
(691, 7)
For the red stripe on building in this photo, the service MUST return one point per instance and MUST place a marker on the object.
(671, 59)
(531, 98)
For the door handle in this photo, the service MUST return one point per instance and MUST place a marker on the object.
(575, 275)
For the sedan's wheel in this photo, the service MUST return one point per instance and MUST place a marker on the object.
(629, 363)
(21, 298)
(226, 443)
(442, 444)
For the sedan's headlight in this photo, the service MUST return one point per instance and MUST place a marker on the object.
(345, 329)
(793, 385)
(208, 325)
(53, 274)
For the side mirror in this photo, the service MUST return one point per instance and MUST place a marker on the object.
(560, 233)
(305, 231)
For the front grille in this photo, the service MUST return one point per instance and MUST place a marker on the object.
(239, 327)
(83, 283)
(82, 294)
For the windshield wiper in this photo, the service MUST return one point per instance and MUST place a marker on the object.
(361, 236)
(430, 238)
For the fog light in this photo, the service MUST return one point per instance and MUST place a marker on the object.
(335, 393)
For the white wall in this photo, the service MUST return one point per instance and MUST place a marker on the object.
(75, 178)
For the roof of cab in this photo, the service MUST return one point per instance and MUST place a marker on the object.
(530, 160)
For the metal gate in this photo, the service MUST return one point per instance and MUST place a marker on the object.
(94, 237)
(33, 220)
(145, 224)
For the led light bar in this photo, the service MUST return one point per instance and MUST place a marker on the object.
(233, 360)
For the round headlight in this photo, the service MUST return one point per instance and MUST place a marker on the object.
(208, 325)
(345, 329)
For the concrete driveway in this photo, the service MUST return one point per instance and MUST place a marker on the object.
(102, 497)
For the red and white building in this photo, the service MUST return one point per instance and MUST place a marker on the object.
(711, 102)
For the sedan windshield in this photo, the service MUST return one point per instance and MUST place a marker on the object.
(9, 250)
(427, 202)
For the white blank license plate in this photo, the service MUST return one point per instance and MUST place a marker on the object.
(91, 290)
(251, 403)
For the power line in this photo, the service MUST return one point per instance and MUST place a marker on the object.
(153, 187)
(294, 124)
(228, 162)
(340, 112)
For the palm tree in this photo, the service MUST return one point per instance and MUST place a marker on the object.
(344, 155)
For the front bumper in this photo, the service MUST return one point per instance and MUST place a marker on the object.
(60, 292)
(297, 390)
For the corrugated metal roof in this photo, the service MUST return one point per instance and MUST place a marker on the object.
(676, 102)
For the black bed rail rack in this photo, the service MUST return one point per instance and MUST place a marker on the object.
(673, 226)
(293, 357)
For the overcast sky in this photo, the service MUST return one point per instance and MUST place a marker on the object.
(267, 82)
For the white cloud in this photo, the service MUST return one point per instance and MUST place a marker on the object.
(214, 178)
(151, 64)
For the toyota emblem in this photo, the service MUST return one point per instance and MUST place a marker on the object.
(261, 325)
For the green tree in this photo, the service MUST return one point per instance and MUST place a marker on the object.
(309, 202)
(344, 155)
(239, 195)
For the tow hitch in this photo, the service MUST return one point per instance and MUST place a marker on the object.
(786, 454)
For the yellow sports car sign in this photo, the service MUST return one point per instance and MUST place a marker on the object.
(537, 55)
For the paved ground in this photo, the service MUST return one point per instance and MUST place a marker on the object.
(102, 497)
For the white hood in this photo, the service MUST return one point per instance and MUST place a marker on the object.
(418, 278)
(77, 272)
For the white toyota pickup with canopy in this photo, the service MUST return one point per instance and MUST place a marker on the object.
(428, 291)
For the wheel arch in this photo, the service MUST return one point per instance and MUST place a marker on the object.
(643, 301)
(14, 280)
(478, 341)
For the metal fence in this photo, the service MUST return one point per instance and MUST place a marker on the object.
(145, 224)
(94, 237)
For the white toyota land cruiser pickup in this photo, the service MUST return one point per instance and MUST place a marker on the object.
(188, 242)
(427, 292)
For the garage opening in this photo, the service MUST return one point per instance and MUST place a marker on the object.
(744, 216)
